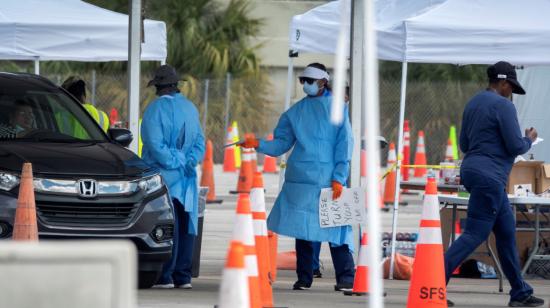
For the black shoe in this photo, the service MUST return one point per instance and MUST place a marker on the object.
(530, 301)
(450, 303)
(317, 274)
(300, 285)
(343, 287)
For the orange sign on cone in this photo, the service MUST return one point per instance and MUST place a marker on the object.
(458, 231)
(257, 202)
(207, 176)
(243, 232)
(449, 156)
(234, 286)
(270, 163)
(253, 155)
(229, 153)
(361, 282)
(420, 156)
(25, 227)
(427, 288)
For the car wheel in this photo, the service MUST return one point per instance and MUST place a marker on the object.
(148, 278)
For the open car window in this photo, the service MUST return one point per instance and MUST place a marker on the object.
(44, 115)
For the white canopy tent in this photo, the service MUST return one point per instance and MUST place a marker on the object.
(72, 30)
(452, 31)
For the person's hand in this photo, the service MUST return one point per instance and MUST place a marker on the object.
(190, 168)
(336, 190)
(250, 142)
(531, 133)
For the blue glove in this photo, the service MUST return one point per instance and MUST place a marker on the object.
(189, 169)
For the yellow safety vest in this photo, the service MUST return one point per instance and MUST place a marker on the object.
(140, 143)
(103, 120)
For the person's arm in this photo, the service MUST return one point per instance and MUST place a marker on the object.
(507, 119)
(196, 152)
(283, 139)
(343, 150)
(153, 139)
(464, 141)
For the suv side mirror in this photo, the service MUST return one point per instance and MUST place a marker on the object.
(121, 136)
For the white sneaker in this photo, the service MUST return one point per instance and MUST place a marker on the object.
(163, 286)
(186, 286)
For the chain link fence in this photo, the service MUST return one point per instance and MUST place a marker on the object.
(431, 106)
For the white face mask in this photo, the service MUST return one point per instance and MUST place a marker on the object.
(311, 89)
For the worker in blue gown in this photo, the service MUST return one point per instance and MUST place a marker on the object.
(174, 143)
(320, 158)
(491, 139)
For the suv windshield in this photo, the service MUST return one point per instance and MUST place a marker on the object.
(32, 109)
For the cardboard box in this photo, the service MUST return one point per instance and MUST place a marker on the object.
(543, 179)
(524, 172)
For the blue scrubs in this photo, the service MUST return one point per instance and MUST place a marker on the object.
(173, 142)
(491, 138)
(321, 153)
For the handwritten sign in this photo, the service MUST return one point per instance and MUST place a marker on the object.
(347, 210)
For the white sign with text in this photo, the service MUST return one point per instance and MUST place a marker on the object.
(347, 210)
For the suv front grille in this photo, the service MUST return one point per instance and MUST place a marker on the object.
(86, 214)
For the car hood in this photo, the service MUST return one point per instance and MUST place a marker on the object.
(70, 159)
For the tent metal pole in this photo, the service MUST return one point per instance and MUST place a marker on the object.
(289, 83)
(356, 99)
(372, 127)
(398, 169)
(37, 66)
(134, 51)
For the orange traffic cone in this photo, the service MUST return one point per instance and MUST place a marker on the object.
(273, 243)
(420, 156)
(244, 184)
(207, 176)
(270, 163)
(253, 155)
(427, 288)
(406, 150)
(234, 285)
(24, 226)
(449, 156)
(257, 202)
(361, 282)
(229, 153)
(363, 167)
(243, 232)
(389, 190)
(457, 235)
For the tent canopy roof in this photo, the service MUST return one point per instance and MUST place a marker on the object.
(438, 31)
(72, 30)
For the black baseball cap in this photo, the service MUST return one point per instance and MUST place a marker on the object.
(503, 70)
(164, 75)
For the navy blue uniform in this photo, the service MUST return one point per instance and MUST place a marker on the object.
(491, 139)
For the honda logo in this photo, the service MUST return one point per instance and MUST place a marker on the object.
(87, 188)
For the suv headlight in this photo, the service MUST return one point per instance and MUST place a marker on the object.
(151, 184)
(8, 181)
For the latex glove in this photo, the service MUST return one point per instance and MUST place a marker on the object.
(190, 168)
(337, 189)
(250, 142)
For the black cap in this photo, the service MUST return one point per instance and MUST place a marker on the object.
(505, 71)
(164, 75)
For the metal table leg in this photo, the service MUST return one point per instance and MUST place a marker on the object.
(535, 249)
(497, 264)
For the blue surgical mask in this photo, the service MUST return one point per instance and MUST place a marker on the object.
(311, 89)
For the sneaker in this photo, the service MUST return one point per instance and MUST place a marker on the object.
(450, 303)
(300, 285)
(317, 274)
(530, 301)
(186, 286)
(343, 287)
(163, 286)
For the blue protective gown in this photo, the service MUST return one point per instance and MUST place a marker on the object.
(321, 154)
(172, 136)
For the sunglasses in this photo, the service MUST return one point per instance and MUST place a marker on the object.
(307, 79)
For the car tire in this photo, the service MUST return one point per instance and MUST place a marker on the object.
(146, 279)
